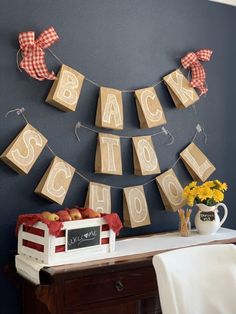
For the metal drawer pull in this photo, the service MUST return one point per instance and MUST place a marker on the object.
(119, 286)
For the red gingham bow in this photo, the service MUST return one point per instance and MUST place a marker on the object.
(33, 53)
(191, 60)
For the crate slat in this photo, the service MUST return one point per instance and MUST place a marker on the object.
(31, 252)
(59, 241)
(32, 237)
(81, 223)
(105, 234)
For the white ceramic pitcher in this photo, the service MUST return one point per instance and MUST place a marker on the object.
(207, 220)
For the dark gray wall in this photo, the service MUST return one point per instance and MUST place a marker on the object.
(122, 44)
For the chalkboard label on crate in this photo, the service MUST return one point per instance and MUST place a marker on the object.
(207, 216)
(83, 237)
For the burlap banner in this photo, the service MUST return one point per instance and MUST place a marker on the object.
(145, 158)
(108, 154)
(56, 181)
(65, 92)
(149, 108)
(24, 150)
(180, 90)
(135, 207)
(197, 163)
(171, 190)
(99, 197)
(110, 109)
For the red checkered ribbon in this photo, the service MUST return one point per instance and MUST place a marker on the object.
(191, 61)
(33, 61)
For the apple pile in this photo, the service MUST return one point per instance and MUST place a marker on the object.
(69, 214)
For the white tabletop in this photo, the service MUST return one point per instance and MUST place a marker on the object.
(149, 245)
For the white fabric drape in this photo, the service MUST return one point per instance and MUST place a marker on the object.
(197, 280)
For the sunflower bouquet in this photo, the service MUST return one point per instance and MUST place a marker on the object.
(209, 193)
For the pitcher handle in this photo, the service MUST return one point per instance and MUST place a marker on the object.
(225, 214)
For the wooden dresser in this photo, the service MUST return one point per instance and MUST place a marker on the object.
(113, 286)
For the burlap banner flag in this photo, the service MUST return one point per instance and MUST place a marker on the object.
(65, 90)
(149, 108)
(180, 90)
(56, 181)
(108, 154)
(24, 150)
(171, 190)
(99, 197)
(135, 207)
(197, 163)
(110, 109)
(145, 158)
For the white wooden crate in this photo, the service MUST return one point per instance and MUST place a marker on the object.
(36, 241)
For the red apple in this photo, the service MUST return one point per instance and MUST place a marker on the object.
(64, 215)
(89, 213)
(75, 214)
(50, 216)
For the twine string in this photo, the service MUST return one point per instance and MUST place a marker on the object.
(92, 82)
(195, 135)
(149, 181)
(81, 175)
(17, 59)
(129, 90)
(79, 125)
(18, 111)
(167, 132)
(194, 109)
(51, 150)
(55, 56)
(175, 163)
(205, 136)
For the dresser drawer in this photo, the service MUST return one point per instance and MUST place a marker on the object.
(104, 287)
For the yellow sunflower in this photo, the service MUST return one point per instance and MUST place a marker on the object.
(186, 192)
(194, 191)
(223, 187)
(217, 182)
(218, 196)
(209, 184)
(205, 193)
(192, 184)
